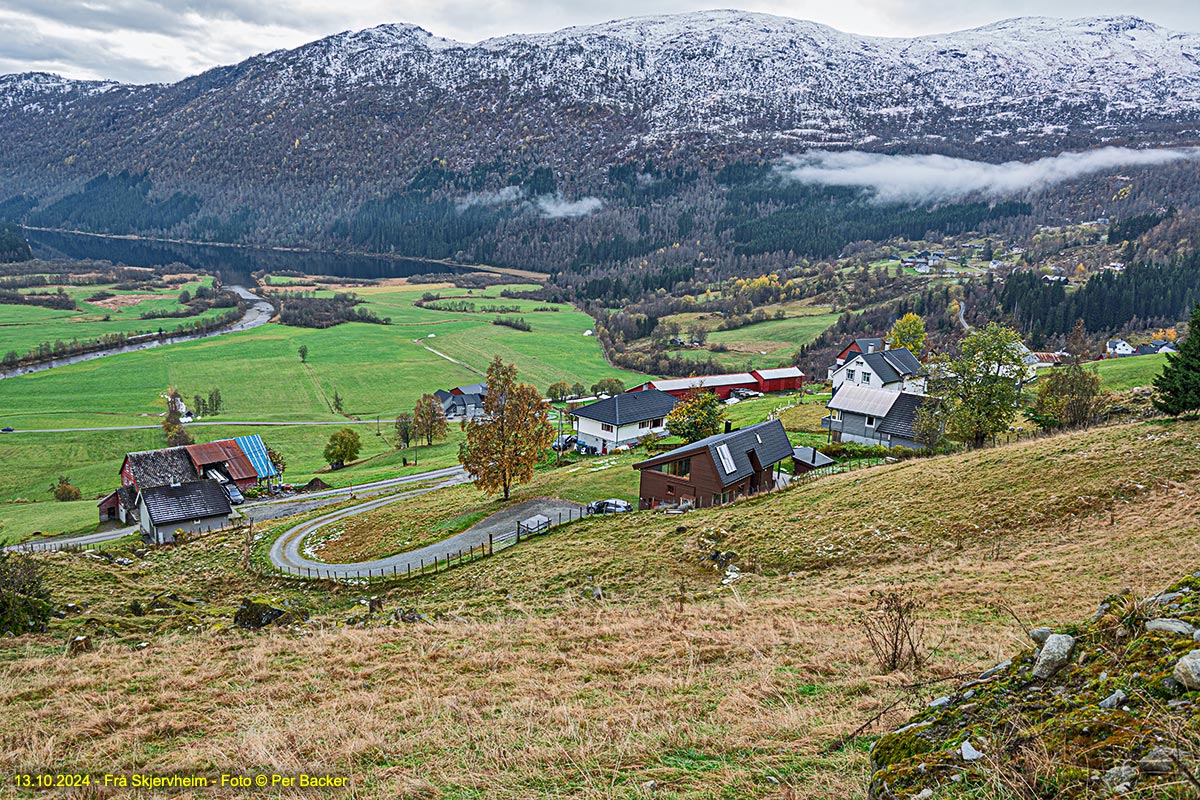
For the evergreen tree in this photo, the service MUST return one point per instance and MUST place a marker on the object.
(1178, 385)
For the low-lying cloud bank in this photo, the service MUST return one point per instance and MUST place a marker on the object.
(550, 206)
(936, 179)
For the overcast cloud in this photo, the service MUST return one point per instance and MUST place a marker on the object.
(934, 179)
(165, 40)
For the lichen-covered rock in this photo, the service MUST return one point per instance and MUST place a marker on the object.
(1161, 760)
(1056, 652)
(1102, 714)
(1040, 635)
(255, 613)
(1177, 626)
(1187, 671)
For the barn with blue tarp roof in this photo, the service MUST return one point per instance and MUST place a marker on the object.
(256, 450)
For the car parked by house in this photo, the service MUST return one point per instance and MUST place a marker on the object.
(235, 495)
(609, 506)
(564, 442)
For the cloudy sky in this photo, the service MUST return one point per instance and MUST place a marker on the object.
(164, 40)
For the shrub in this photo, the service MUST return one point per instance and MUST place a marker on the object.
(64, 491)
(894, 630)
(24, 598)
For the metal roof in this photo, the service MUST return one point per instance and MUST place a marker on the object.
(187, 501)
(624, 409)
(777, 374)
(856, 399)
(703, 381)
(255, 449)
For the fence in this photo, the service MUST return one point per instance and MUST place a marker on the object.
(432, 565)
(48, 547)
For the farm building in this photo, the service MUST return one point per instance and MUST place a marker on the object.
(716, 470)
(462, 402)
(765, 380)
(190, 507)
(623, 418)
(807, 459)
(783, 379)
(224, 462)
(896, 370)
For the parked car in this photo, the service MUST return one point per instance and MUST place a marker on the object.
(564, 442)
(235, 496)
(745, 394)
(585, 449)
(609, 506)
(7, 429)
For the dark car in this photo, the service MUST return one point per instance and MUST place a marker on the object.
(235, 496)
(610, 506)
(6, 430)
(564, 442)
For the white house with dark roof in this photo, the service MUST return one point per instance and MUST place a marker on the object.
(874, 416)
(895, 370)
(190, 507)
(623, 418)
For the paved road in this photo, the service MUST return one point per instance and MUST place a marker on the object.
(286, 552)
(272, 508)
(342, 422)
(259, 313)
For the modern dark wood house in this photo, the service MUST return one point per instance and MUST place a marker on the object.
(716, 470)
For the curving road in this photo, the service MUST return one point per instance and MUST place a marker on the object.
(259, 313)
(287, 555)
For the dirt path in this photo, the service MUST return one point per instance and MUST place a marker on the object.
(468, 367)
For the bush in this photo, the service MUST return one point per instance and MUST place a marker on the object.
(24, 598)
(64, 491)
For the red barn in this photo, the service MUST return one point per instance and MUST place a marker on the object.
(783, 379)
(720, 385)
(226, 457)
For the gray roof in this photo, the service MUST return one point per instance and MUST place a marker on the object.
(890, 365)
(161, 467)
(474, 388)
(854, 399)
(768, 440)
(899, 421)
(868, 344)
(812, 457)
(623, 409)
(187, 501)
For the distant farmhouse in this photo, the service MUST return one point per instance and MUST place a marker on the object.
(623, 418)
(874, 416)
(718, 469)
(186, 488)
(1119, 348)
(463, 402)
(758, 380)
(893, 370)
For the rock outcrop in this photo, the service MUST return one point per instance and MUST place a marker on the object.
(1102, 708)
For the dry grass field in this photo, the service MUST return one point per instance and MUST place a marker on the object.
(611, 658)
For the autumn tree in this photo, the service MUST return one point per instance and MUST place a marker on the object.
(277, 459)
(1177, 387)
(908, 332)
(507, 441)
(1069, 395)
(404, 430)
(559, 391)
(343, 447)
(577, 389)
(429, 420)
(699, 416)
(982, 385)
(609, 386)
(63, 491)
(173, 431)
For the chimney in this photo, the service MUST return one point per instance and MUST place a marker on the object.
(728, 426)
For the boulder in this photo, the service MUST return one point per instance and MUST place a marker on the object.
(1056, 652)
(1187, 671)
(1161, 760)
(79, 644)
(1040, 635)
(1165, 625)
(254, 613)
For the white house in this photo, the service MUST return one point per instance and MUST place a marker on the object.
(1119, 347)
(623, 418)
(894, 370)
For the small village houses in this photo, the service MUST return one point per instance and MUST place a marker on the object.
(623, 419)
(874, 416)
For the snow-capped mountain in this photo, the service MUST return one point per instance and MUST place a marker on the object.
(358, 114)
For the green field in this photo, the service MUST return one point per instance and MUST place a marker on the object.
(1119, 374)
(762, 344)
(23, 328)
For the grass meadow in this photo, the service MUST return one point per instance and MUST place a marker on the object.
(611, 658)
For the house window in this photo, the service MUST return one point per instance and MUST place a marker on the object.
(680, 469)
(644, 424)
(837, 415)
(604, 426)
(658, 423)
(670, 489)
(870, 421)
(849, 374)
(866, 377)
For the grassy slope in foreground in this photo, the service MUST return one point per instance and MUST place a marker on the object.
(534, 689)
